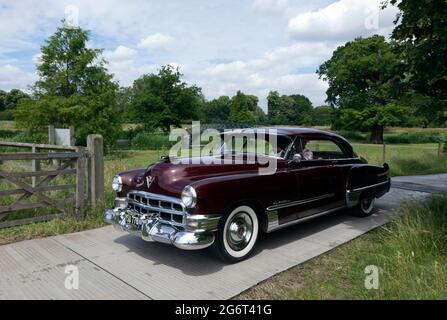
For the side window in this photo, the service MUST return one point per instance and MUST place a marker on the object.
(314, 149)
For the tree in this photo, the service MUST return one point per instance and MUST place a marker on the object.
(365, 83)
(289, 110)
(74, 89)
(2, 100)
(163, 100)
(216, 110)
(9, 101)
(323, 115)
(244, 109)
(421, 35)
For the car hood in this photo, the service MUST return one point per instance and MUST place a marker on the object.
(170, 176)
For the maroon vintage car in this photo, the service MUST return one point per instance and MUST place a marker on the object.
(228, 204)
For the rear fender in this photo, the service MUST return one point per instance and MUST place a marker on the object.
(367, 181)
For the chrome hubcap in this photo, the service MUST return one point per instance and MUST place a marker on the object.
(367, 204)
(239, 231)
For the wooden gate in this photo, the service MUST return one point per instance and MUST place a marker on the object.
(36, 187)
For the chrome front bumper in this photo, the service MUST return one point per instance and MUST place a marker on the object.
(151, 230)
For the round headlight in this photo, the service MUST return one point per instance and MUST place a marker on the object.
(117, 184)
(189, 197)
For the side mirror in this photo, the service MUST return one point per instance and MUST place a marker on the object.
(297, 158)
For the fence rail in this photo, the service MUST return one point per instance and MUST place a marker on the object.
(64, 161)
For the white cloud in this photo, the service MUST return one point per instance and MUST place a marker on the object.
(120, 54)
(342, 21)
(156, 41)
(126, 65)
(11, 77)
(289, 69)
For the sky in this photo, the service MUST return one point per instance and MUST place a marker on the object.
(220, 45)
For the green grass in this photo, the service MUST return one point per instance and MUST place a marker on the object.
(405, 159)
(410, 253)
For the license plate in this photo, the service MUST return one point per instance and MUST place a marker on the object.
(131, 219)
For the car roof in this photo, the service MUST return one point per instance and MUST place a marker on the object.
(288, 131)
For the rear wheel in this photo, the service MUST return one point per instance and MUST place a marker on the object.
(365, 207)
(237, 234)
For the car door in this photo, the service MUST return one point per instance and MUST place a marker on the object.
(319, 177)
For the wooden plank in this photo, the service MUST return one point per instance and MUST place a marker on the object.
(30, 189)
(19, 222)
(42, 173)
(40, 189)
(39, 156)
(37, 146)
(80, 192)
(22, 206)
(35, 167)
(95, 145)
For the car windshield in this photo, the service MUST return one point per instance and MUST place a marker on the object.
(270, 145)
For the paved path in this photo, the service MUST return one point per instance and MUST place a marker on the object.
(114, 265)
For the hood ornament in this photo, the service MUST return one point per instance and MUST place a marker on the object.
(149, 180)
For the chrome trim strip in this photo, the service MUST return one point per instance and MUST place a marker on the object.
(296, 203)
(204, 222)
(291, 223)
(371, 186)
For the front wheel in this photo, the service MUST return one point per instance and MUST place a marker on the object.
(237, 234)
(365, 207)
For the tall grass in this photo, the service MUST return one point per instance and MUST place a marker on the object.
(410, 253)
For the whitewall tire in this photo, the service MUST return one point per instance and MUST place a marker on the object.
(237, 234)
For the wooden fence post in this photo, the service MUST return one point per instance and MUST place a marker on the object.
(80, 181)
(35, 167)
(95, 145)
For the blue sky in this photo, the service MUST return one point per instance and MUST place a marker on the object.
(222, 46)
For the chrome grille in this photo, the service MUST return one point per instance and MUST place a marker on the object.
(167, 209)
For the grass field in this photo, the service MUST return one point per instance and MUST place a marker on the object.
(410, 253)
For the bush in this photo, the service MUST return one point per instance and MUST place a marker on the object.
(7, 134)
(7, 115)
(415, 137)
(353, 136)
(30, 137)
(151, 141)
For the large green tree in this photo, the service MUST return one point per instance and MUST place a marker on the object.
(9, 101)
(294, 109)
(421, 36)
(163, 100)
(74, 88)
(323, 116)
(216, 110)
(364, 79)
(245, 110)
